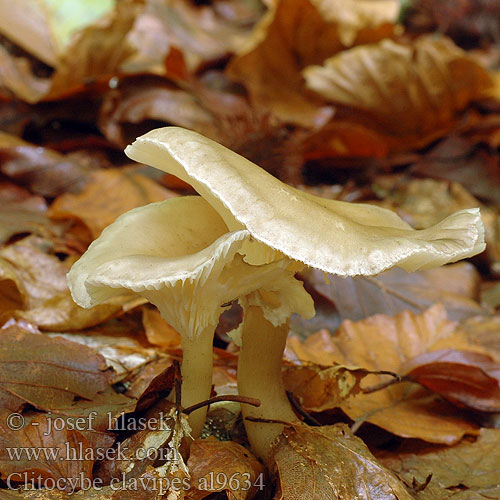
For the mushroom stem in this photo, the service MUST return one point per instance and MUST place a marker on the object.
(259, 376)
(196, 370)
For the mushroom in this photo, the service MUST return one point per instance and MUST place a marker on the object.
(244, 239)
(181, 257)
(290, 226)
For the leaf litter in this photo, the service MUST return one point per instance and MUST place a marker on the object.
(333, 97)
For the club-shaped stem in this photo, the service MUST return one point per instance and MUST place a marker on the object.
(259, 376)
(196, 370)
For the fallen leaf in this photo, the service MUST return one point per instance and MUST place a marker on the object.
(326, 463)
(419, 99)
(321, 388)
(384, 343)
(223, 466)
(46, 448)
(60, 313)
(98, 204)
(47, 30)
(455, 286)
(295, 34)
(460, 160)
(21, 212)
(138, 100)
(201, 32)
(37, 275)
(47, 373)
(467, 471)
(158, 331)
(80, 63)
(465, 378)
(42, 170)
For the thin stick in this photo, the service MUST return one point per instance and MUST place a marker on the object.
(308, 419)
(229, 397)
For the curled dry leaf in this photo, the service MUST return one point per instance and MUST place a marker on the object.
(413, 93)
(42, 170)
(21, 212)
(48, 28)
(467, 471)
(98, 204)
(330, 463)
(295, 34)
(202, 32)
(463, 377)
(95, 53)
(142, 100)
(384, 343)
(223, 466)
(37, 275)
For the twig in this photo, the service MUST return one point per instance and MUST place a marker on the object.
(229, 397)
(308, 419)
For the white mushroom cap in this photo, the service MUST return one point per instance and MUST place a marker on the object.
(347, 239)
(180, 256)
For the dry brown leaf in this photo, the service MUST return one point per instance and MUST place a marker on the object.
(413, 93)
(47, 373)
(295, 34)
(21, 212)
(223, 466)
(384, 343)
(120, 345)
(465, 378)
(96, 53)
(108, 194)
(158, 331)
(321, 388)
(37, 275)
(42, 170)
(60, 313)
(467, 471)
(141, 100)
(204, 33)
(455, 286)
(330, 463)
(46, 452)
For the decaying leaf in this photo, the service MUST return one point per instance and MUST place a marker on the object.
(455, 286)
(36, 275)
(467, 378)
(96, 208)
(295, 34)
(411, 92)
(158, 331)
(46, 450)
(321, 388)
(384, 343)
(467, 471)
(21, 212)
(224, 466)
(326, 463)
(42, 170)
(47, 373)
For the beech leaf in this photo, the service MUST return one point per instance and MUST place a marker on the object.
(330, 463)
